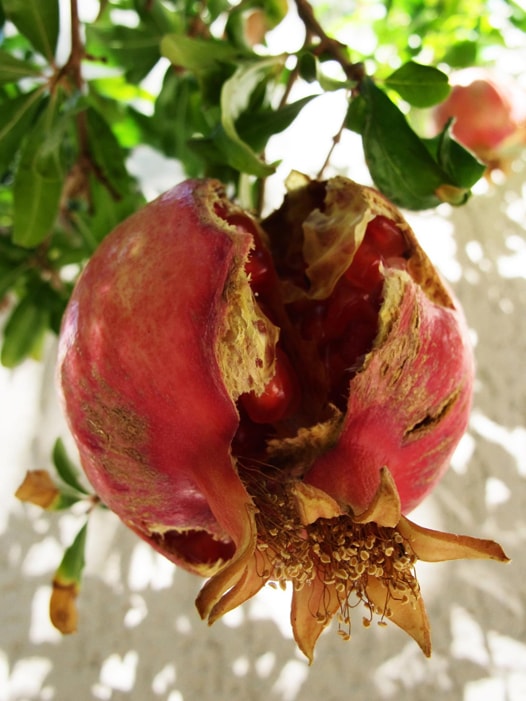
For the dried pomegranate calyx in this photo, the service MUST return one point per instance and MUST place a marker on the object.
(334, 558)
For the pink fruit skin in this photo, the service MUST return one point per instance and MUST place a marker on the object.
(407, 409)
(488, 109)
(138, 336)
(150, 413)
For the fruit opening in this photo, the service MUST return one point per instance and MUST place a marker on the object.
(197, 547)
(327, 324)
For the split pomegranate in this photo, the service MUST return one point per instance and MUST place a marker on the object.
(490, 115)
(260, 401)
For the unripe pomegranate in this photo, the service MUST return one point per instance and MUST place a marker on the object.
(490, 115)
(261, 401)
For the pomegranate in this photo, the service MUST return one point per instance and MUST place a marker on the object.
(490, 115)
(261, 401)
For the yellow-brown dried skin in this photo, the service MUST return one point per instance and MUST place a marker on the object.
(246, 341)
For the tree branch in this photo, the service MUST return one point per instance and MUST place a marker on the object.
(329, 45)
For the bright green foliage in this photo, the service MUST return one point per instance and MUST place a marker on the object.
(69, 124)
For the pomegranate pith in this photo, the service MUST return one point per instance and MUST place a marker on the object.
(261, 401)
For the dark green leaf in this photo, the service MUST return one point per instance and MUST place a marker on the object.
(15, 117)
(106, 212)
(136, 49)
(308, 67)
(66, 468)
(9, 275)
(178, 116)
(256, 128)
(38, 20)
(38, 182)
(399, 162)
(463, 168)
(12, 69)
(356, 115)
(23, 332)
(107, 153)
(421, 86)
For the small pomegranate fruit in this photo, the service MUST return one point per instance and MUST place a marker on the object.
(262, 401)
(490, 115)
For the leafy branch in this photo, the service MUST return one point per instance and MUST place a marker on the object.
(67, 133)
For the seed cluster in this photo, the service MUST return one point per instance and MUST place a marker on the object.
(343, 554)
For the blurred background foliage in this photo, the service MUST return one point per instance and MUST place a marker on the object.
(83, 84)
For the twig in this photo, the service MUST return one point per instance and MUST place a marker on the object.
(353, 71)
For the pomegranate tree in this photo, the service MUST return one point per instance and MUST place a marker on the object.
(263, 401)
(489, 112)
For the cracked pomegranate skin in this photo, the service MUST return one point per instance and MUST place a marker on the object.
(183, 373)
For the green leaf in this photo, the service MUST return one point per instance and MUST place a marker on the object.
(356, 114)
(70, 569)
(257, 127)
(38, 182)
(23, 332)
(38, 20)
(66, 468)
(198, 54)
(16, 116)
(421, 86)
(178, 116)
(107, 153)
(462, 54)
(235, 97)
(136, 49)
(460, 164)
(13, 69)
(308, 66)
(107, 211)
(399, 162)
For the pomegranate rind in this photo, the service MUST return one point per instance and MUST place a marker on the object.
(408, 406)
(143, 349)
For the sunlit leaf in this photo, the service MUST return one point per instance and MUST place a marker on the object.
(38, 20)
(462, 54)
(421, 86)
(235, 97)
